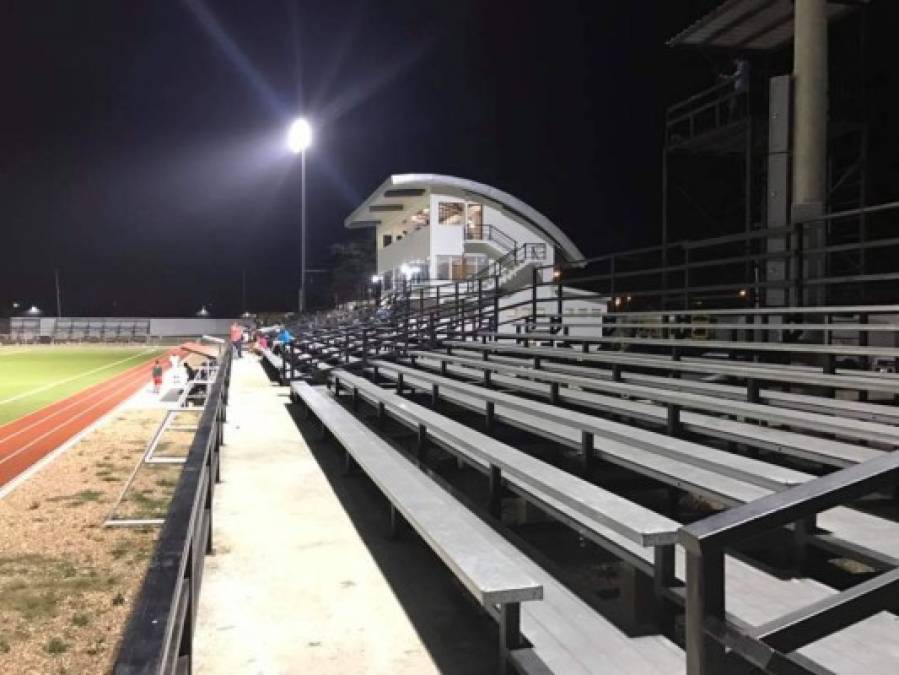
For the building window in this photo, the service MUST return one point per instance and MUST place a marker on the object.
(451, 213)
(475, 215)
(386, 240)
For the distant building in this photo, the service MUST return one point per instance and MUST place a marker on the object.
(432, 228)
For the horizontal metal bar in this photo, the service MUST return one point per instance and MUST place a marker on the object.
(791, 505)
(830, 614)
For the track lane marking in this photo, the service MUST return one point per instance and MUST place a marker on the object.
(69, 402)
(131, 380)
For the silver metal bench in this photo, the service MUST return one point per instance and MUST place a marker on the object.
(753, 373)
(451, 530)
(833, 453)
(710, 473)
(566, 634)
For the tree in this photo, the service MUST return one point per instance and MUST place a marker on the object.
(352, 265)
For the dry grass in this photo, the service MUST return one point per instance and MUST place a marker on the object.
(67, 583)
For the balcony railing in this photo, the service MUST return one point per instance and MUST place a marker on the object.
(490, 233)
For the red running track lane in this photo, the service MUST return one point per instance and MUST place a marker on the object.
(30, 438)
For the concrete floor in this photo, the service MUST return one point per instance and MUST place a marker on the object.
(303, 578)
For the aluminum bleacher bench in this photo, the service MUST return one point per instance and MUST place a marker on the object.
(875, 412)
(632, 404)
(566, 635)
(462, 542)
(723, 477)
(708, 345)
(275, 362)
(754, 597)
(753, 373)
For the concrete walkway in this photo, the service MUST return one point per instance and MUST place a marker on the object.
(291, 587)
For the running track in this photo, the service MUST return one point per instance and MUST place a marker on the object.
(28, 439)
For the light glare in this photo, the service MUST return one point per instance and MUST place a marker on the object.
(299, 137)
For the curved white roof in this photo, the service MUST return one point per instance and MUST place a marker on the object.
(413, 184)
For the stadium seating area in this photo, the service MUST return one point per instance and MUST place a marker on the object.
(747, 469)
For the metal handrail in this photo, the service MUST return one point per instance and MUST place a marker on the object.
(708, 631)
(493, 233)
(159, 635)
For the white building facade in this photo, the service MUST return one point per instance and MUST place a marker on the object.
(432, 228)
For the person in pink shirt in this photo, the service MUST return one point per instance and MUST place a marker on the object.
(236, 335)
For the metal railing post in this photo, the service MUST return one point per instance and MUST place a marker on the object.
(705, 602)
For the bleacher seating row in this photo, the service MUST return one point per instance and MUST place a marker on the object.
(746, 488)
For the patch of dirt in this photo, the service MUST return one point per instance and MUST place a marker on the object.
(67, 584)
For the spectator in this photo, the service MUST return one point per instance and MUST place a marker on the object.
(157, 376)
(236, 335)
(175, 361)
(285, 336)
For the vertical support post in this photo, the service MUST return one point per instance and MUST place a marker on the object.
(394, 526)
(435, 396)
(686, 278)
(612, 278)
(866, 360)
(509, 630)
(421, 444)
(663, 578)
(496, 303)
(810, 77)
(673, 420)
(587, 451)
(399, 384)
(496, 491)
(554, 393)
(705, 600)
(752, 390)
(489, 417)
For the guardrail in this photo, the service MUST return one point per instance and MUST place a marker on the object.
(159, 637)
(709, 633)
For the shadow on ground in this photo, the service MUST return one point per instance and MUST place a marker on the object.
(460, 638)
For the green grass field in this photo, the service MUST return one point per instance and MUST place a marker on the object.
(33, 377)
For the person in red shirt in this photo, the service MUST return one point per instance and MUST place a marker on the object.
(157, 376)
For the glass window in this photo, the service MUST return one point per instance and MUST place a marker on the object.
(451, 213)
(475, 215)
(386, 240)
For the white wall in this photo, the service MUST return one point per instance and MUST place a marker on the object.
(169, 327)
(414, 246)
(189, 327)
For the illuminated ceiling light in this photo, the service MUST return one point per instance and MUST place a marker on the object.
(299, 136)
(742, 292)
(376, 279)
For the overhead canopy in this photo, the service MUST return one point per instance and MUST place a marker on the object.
(751, 25)
(401, 192)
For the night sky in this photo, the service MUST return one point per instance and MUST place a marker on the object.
(143, 142)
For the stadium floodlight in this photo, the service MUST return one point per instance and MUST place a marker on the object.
(34, 310)
(299, 136)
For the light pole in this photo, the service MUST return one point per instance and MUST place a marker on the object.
(299, 138)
